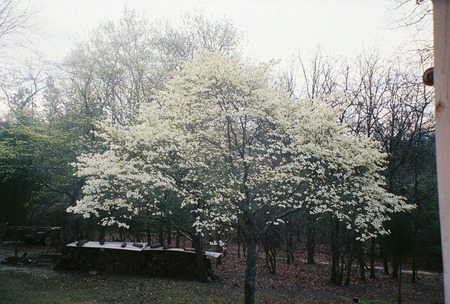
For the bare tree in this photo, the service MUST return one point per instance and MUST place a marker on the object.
(418, 12)
(16, 30)
(17, 23)
(384, 99)
(175, 43)
(319, 75)
(112, 73)
(21, 89)
(387, 102)
(417, 16)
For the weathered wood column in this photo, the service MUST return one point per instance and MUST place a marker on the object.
(441, 16)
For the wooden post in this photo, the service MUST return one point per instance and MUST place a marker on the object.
(441, 16)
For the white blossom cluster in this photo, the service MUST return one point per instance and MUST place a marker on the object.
(235, 149)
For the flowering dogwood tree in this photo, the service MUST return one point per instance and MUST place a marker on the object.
(239, 152)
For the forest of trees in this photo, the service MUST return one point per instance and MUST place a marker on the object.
(161, 127)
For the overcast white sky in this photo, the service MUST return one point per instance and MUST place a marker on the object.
(273, 28)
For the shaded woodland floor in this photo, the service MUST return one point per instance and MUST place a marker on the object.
(308, 279)
(296, 283)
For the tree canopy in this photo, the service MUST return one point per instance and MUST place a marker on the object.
(237, 151)
(220, 135)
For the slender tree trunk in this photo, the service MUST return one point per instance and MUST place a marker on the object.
(169, 235)
(399, 295)
(239, 244)
(250, 271)
(418, 203)
(221, 250)
(395, 267)
(341, 271)
(271, 254)
(349, 268)
(177, 239)
(298, 235)
(102, 233)
(372, 259)
(16, 243)
(414, 265)
(161, 232)
(289, 242)
(335, 254)
(311, 238)
(68, 232)
(385, 262)
(362, 262)
(149, 235)
(418, 212)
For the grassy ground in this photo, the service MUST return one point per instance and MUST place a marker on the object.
(50, 287)
(44, 287)
(300, 283)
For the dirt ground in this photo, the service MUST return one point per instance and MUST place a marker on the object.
(306, 278)
(298, 278)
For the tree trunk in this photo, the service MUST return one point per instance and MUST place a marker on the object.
(372, 259)
(177, 239)
(271, 255)
(362, 262)
(199, 261)
(289, 242)
(16, 243)
(414, 240)
(395, 267)
(349, 269)
(250, 271)
(221, 250)
(385, 262)
(341, 271)
(414, 266)
(68, 232)
(311, 238)
(335, 254)
(149, 235)
(169, 235)
(161, 232)
(102, 233)
(239, 244)
(298, 235)
(399, 295)
(350, 256)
